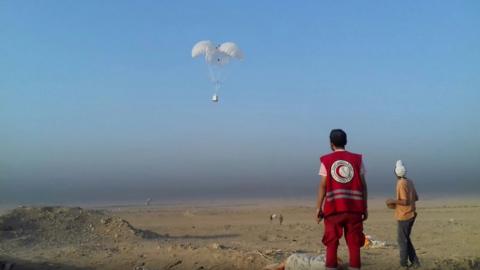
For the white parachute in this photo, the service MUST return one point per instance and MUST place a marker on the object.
(216, 57)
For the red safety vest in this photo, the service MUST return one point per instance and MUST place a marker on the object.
(344, 188)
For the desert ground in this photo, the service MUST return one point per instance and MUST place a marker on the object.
(224, 235)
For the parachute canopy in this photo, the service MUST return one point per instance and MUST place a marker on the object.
(217, 55)
(231, 49)
(202, 47)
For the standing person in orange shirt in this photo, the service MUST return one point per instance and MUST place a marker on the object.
(405, 215)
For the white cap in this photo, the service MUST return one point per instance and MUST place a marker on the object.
(400, 170)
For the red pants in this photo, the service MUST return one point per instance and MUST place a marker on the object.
(352, 224)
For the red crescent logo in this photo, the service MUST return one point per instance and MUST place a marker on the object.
(340, 172)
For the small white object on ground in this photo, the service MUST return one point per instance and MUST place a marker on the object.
(216, 246)
(305, 261)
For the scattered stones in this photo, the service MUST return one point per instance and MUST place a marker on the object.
(216, 246)
(458, 264)
(174, 264)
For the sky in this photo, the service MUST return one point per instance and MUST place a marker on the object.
(101, 100)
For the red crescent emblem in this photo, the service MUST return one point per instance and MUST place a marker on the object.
(339, 171)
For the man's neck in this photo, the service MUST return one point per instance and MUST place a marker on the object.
(338, 149)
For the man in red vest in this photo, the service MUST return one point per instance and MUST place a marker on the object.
(343, 195)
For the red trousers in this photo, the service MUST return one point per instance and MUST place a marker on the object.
(335, 225)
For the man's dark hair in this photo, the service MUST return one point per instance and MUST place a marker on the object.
(338, 138)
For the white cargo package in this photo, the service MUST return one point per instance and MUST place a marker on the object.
(304, 261)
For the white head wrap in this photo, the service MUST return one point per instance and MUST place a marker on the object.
(400, 170)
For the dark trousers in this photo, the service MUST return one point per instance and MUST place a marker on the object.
(407, 251)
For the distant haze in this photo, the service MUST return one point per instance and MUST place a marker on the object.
(101, 101)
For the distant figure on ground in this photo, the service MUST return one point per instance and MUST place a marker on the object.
(405, 214)
(148, 201)
(275, 216)
(342, 200)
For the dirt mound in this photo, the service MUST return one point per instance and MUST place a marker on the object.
(65, 226)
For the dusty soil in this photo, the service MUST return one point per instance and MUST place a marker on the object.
(224, 236)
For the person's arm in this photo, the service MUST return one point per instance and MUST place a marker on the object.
(415, 193)
(321, 198)
(365, 189)
(365, 195)
(403, 195)
(399, 202)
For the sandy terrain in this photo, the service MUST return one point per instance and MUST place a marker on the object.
(224, 236)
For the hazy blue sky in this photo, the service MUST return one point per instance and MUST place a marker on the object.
(102, 98)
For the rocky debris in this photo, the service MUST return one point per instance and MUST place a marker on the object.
(172, 265)
(140, 266)
(216, 246)
(458, 264)
(58, 226)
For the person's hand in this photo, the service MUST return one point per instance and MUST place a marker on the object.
(319, 215)
(365, 216)
(390, 201)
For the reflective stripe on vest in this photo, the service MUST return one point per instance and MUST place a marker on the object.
(344, 194)
(355, 192)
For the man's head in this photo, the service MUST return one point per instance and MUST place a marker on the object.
(338, 139)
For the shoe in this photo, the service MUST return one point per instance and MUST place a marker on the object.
(416, 264)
